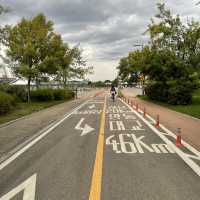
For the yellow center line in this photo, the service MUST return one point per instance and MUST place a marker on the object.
(95, 189)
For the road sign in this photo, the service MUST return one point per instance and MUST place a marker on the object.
(141, 77)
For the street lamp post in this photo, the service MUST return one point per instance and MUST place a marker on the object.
(143, 79)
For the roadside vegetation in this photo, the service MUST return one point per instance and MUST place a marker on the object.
(193, 109)
(22, 109)
(37, 54)
(169, 65)
(13, 103)
(119, 93)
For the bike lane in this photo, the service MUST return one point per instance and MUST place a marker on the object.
(138, 164)
(60, 165)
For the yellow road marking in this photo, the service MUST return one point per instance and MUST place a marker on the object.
(95, 189)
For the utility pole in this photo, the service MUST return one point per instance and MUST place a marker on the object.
(142, 78)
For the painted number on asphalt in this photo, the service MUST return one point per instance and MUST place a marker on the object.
(119, 126)
(130, 144)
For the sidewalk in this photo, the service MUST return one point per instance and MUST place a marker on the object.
(17, 132)
(170, 119)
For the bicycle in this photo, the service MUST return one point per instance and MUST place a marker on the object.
(113, 93)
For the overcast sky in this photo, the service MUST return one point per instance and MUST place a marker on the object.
(105, 29)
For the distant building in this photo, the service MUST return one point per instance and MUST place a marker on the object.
(5, 75)
(108, 83)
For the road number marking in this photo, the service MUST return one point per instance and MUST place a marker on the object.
(187, 158)
(28, 188)
(87, 112)
(117, 126)
(130, 144)
(117, 109)
(138, 127)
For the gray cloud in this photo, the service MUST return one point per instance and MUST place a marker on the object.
(106, 29)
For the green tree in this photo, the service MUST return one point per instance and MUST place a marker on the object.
(171, 60)
(28, 45)
(72, 64)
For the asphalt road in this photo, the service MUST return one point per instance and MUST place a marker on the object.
(101, 150)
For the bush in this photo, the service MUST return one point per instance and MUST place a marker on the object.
(6, 103)
(60, 94)
(43, 94)
(157, 91)
(3, 87)
(120, 95)
(18, 91)
(63, 94)
(49, 94)
(70, 94)
(180, 95)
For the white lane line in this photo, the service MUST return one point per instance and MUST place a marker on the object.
(28, 188)
(25, 148)
(95, 102)
(169, 133)
(186, 159)
(188, 146)
(21, 145)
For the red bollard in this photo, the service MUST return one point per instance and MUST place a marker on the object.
(178, 138)
(144, 113)
(157, 125)
(137, 107)
(132, 103)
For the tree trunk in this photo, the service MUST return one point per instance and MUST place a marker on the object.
(37, 82)
(143, 86)
(64, 79)
(29, 90)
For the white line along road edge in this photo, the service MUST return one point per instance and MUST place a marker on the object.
(186, 159)
(169, 133)
(29, 145)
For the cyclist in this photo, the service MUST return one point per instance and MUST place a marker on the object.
(113, 92)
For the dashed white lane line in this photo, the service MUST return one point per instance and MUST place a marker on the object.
(181, 154)
(29, 145)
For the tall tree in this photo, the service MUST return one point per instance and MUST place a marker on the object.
(171, 61)
(28, 46)
(72, 64)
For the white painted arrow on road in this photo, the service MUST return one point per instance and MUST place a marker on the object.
(86, 129)
(28, 188)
